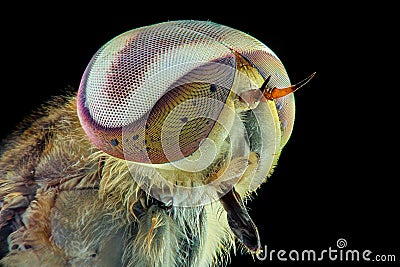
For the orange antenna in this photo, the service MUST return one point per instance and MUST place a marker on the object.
(271, 94)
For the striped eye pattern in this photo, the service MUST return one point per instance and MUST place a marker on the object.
(170, 81)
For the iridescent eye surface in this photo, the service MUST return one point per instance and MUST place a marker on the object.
(171, 81)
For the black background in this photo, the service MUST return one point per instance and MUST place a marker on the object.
(336, 176)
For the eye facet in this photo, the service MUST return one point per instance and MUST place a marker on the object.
(177, 70)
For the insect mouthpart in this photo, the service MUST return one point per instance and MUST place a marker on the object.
(240, 221)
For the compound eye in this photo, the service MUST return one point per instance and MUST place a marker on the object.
(146, 98)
